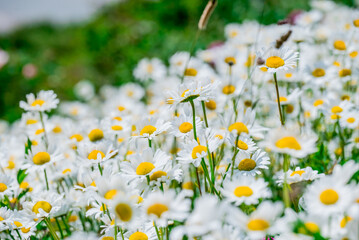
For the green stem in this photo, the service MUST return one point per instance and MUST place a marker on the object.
(99, 168)
(59, 226)
(47, 183)
(66, 226)
(278, 99)
(194, 120)
(150, 143)
(206, 174)
(157, 232)
(51, 228)
(198, 182)
(204, 113)
(286, 198)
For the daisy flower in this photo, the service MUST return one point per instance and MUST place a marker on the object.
(146, 165)
(43, 204)
(39, 158)
(245, 189)
(150, 69)
(160, 207)
(275, 60)
(299, 175)
(260, 222)
(243, 143)
(193, 152)
(150, 128)
(251, 164)
(327, 196)
(291, 142)
(94, 153)
(44, 101)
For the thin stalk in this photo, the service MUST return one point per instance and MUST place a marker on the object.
(157, 232)
(198, 182)
(204, 113)
(150, 143)
(51, 228)
(59, 226)
(47, 183)
(194, 119)
(278, 99)
(99, 168)
(66, 226)
(286, 162)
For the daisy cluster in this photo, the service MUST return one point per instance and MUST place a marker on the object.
(253, 138)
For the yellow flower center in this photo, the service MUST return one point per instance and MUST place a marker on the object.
(24, 185)
(258, 225)
(230, 60)
(144, 168)
(356, 22)
(121, 108)
(188, 185)
(158, 174)
(110, 194)
(228, 89)
(247, 164)
(299, 172)
(11, 164)
(78, 137)
(25, 230)
(3, 187)
(107, 238)
(242, 145)
(243, 191)
(264, 69)
(37, 102)
(282, 99)
(149, 68)
(288, 142)
(274, 62)
(57, 129)
(42, 205)
(339, 45)
(124, 211)
(190, 72)
(67, 170)
(239, 126)
(345, 72)
(329, 197)
(185, 127)
(39, 131)
(157, 209)
(198, 150)
(344, 221)
(318, 72)
(288, 75)
(311, 227)
(318, 102)
(149, 129)
(41, 158)
(138, 236)
(31, 121)
(211, 105)
(95, 135)
(93, 155)
(116, 127)
(337, 109)
(351, 120)
(353, 54)
(17, 224)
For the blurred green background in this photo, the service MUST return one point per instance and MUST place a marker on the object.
(106, 49)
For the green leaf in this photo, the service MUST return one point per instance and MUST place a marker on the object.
(21, 175)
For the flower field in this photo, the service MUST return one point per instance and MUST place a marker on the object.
(253, 138)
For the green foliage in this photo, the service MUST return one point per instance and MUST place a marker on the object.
(106, 49)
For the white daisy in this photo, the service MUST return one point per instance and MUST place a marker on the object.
(45, 101)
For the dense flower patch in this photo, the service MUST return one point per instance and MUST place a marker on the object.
(253, 138)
